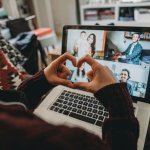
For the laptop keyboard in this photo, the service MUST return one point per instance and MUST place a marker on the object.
(82, 107)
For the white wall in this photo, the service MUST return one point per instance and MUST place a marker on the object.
(51, 13)
(44, 13)
(11, 8)
(64, 12)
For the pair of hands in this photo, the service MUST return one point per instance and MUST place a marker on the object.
(99, 76)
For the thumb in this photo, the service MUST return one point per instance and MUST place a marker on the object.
(90, 75)
(83, 85)
(63, 82)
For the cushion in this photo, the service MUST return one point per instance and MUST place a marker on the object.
(10, 78)
(14, 55)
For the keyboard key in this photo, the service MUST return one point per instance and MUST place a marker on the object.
(66, 98)
(74, 105)
(84, 107)
(85, 103)
(84, 113)
(69, 108)
(66, 112)
(83, 118)
(81, 102)
(95, 106)
(71, 95)
(94, 111)
(75, 101)
(100, 112)
(89, 114)
(65, 102)
(79, 111)
(95, 116)
(52, 108)
(67, 94)
(79, 106)
(56, 104)
(65, 106)
(95, 102)
(101, 118)
(60, 110)
(106, 114)
(99, 123)
(60, 105)
(84, 99)
(59, 101)
(74, 109)
(101, 108)
(61, 97)
(90, 105)
(56, 109)
(80, 98)
(89, 109)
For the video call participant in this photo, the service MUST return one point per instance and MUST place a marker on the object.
(81, 45)
(124, 77)
(92, 41)
(133, 52)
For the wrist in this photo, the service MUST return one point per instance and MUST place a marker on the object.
(46, 74)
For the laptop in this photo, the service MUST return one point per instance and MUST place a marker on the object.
(107, 45)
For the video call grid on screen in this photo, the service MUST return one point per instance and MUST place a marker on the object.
(126, 53)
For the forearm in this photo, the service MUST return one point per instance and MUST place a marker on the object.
(35, 87)
(117, 100)
(121, 130)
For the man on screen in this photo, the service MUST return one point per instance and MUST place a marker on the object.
(124, 77)
(81, 45)
(133, 52)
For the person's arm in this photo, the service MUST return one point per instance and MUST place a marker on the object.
(54, 74)
(120, 104)
(34, 88)
(121, 130)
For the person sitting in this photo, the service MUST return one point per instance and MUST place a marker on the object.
(21, 129)
(124, 77)
(133, 52)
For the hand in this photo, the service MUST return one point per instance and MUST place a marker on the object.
(56, 73)
(99, 76)
(116, 56)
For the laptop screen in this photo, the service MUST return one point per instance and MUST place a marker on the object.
(125, 50)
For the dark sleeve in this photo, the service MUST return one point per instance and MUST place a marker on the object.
(34, 88)
(121, 130)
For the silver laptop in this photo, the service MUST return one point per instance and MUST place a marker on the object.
(109, 45)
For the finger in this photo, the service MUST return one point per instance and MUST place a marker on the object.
(64, 75)
(90, 75)
(62, 68)
(110, 72)
(66, 56)
(63, 72)
(63, 82)
(88, 60)
(83, 85)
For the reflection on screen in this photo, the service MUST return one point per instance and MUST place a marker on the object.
(127, 54)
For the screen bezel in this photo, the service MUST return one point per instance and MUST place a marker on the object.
(109, 28)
